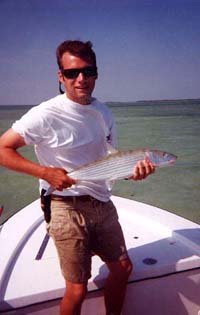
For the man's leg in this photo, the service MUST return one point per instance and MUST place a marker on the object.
(73, 298)
(115, 288)
(68, 229)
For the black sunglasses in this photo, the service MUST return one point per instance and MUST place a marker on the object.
(73, 73)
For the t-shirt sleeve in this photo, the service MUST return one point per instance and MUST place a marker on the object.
(31, 127)
(113, 134)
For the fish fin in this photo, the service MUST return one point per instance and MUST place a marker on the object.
(111, 149)
(110, 184)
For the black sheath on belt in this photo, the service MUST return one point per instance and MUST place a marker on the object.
(46, 205)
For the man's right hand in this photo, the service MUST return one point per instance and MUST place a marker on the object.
(57, 178)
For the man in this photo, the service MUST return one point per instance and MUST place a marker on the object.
(68, 131)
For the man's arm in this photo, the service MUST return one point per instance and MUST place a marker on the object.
(10, 141)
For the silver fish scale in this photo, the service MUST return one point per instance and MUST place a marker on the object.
(115, 166)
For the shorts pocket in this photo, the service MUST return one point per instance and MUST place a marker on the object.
(67, 225)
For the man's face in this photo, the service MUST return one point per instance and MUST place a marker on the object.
(78, 89)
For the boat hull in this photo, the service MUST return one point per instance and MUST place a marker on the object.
(163, 247)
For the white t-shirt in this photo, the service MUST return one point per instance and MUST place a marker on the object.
(67, 135)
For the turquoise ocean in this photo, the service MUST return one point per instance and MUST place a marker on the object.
(172, 126)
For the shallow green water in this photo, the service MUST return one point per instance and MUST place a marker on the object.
(169, 126)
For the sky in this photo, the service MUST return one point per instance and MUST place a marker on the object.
(146, 50)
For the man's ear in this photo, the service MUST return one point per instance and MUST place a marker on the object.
(60, 77)
(61, 80)
(60, 88)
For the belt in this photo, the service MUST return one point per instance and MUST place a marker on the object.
(71, 198)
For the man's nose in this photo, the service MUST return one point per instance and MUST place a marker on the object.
(81, 76)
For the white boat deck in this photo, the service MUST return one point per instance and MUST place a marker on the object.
(159, 244)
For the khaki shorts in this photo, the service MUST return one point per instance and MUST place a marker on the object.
(81, 226)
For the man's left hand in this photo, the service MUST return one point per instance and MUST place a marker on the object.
(142, 170)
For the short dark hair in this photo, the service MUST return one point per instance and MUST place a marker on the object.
(76, 48)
